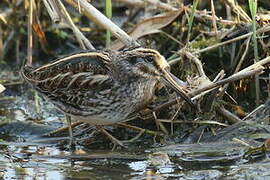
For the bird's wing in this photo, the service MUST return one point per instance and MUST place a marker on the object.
(73, 82)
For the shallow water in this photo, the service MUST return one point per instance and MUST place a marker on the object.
(39, 162)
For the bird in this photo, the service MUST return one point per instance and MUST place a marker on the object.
(103, 87)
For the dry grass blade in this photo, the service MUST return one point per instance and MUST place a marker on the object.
(209, 122)
(96, 16)
(2, 88)
(143, 3)
(30, 33)
(235, 77)
(83, 41)
(238, 10)
(54, 14)
(4, 15)
(1, 45)
(214, 15)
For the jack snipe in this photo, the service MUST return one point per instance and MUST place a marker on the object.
(103, 87)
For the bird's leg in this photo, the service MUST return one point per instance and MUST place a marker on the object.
(72, 143)
(159, 124)
(113, 139)
(136, 137)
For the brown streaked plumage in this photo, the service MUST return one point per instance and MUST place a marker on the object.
(103, 87)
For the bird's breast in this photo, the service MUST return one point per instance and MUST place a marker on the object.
(143, 94)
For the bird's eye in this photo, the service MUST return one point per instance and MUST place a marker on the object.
(149, 59)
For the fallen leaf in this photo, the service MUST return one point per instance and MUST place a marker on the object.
(149, 26)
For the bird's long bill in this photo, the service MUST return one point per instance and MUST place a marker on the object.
(170, 80)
